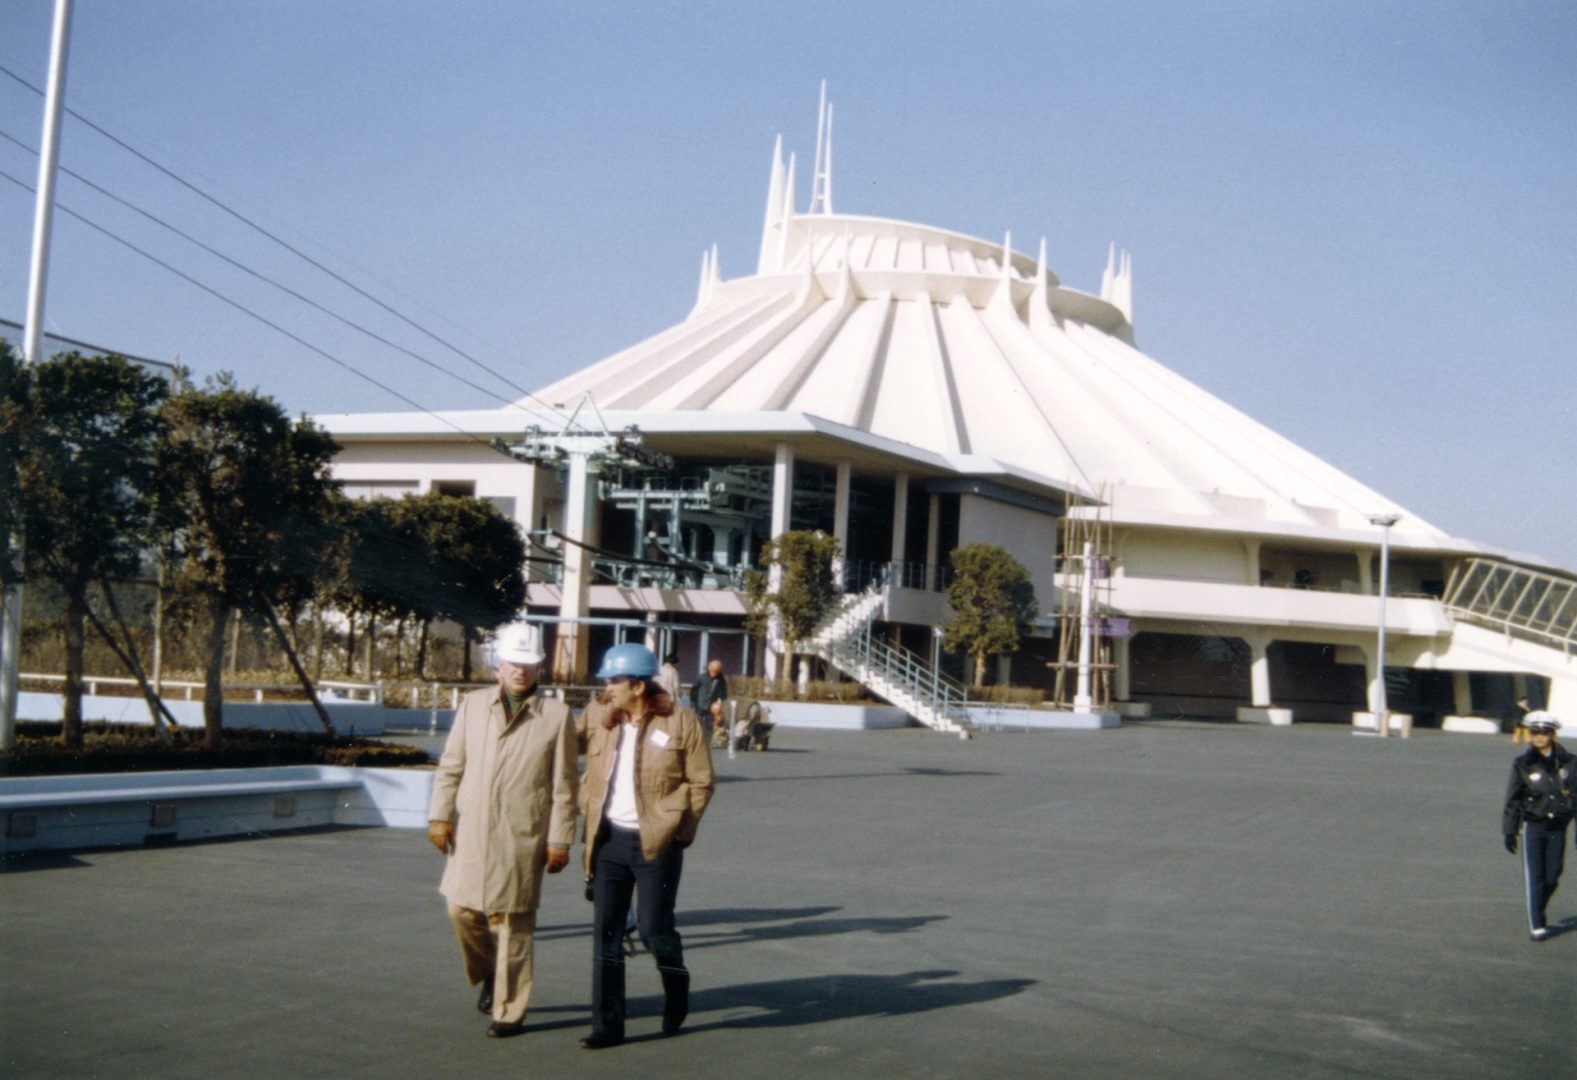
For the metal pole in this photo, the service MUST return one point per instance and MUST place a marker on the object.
(936, 669)
(32, 337)
(1381, 710)
(1081, 697)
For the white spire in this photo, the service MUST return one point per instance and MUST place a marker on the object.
(821, 174)
(703, 291)
(785, 217)
(1007, 256)
(1117, 282)
(774, 215)
(1040, 298)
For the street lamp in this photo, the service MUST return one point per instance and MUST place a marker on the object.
(1381, 712)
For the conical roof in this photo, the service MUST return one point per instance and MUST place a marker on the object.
(960, 348)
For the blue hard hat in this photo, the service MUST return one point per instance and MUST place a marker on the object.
(631, 661)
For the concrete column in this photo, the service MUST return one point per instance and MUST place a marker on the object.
(1365, 572)
(1251, 549)
(1462, 693)
(653, 634)
(900, 524)
(1372, 673)
(570, 661)
(1259, 671)
(840, 519)
(933, 539)
(782, 503)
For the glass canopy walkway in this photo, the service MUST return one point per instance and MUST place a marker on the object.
(1536, 605)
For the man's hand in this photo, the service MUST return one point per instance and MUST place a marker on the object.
(558, 858)
(441, 835)
(1511, 842)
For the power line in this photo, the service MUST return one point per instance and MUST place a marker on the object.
(287, 290)
(303, 342)
(283, 243)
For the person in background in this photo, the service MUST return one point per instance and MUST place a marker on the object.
(668, 676)
(648, 781)
(1541, 797)
(1519, 734)
(709, 697)
(502, 812)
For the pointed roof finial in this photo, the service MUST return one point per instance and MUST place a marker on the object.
(1110, 273)
(1007, 256)
(774, 214)
(821, 174)
(703, 291)
(786, 217)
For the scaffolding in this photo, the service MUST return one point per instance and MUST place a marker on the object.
(1078, 535)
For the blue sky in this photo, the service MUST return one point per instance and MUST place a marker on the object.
(1354, 221)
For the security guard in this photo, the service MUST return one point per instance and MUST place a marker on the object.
(1541, 798)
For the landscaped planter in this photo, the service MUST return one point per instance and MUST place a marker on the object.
(837, 717)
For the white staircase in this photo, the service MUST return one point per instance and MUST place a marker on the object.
(845, 640)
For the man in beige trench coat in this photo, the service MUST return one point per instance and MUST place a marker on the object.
(503, 810)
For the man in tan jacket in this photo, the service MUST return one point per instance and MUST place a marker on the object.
(503, 810)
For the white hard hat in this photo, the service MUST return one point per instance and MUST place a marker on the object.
(518, 642)
(1541, 719)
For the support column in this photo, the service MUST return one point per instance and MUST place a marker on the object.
(526, 502)
(1365, 573)
(1462, 693)
(782, 504)
(933, 539)
(1122, 684)
(1251, 550)
(840, 522)
(900, 526)
(572, 643)
(1259, 672)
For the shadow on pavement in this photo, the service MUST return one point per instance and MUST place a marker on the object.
(894, 774)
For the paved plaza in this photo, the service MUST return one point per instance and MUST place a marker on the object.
(1163, 900)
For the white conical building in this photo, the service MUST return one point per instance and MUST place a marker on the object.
(910, 389)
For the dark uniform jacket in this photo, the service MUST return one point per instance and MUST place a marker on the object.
(1542, 789)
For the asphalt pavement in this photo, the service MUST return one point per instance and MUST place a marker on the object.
(1161, 900)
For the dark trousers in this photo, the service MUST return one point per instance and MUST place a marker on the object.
(1543, 855)
(619, 869)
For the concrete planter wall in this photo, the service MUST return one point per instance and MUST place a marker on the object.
(350, 717)
(837, 717)
(43, 813)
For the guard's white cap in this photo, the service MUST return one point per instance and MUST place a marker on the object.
(518, 642)
(1541, 719)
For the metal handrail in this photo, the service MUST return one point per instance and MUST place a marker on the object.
(846, 639)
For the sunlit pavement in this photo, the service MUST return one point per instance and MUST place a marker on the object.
(1184, 900)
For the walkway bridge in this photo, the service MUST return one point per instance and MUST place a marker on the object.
(1532, 615)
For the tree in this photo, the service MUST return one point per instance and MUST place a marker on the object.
(86, 427)
(237, 480)
(806, 588)
(477, 561)
(992, 604)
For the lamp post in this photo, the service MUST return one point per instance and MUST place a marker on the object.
(936, 668)
(1381, 711)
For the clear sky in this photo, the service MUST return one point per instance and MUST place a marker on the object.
(1355, 221)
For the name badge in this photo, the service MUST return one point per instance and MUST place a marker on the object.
(659, 739)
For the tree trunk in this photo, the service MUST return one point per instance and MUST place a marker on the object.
(350, 644)
(979, 680)
(465, 654)
(317, 642)
(235, 640)
(399, 647)
(421, 650)
(219, 614)
(163, 719)
(369, 642)
(301, 673)
(71, 716)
